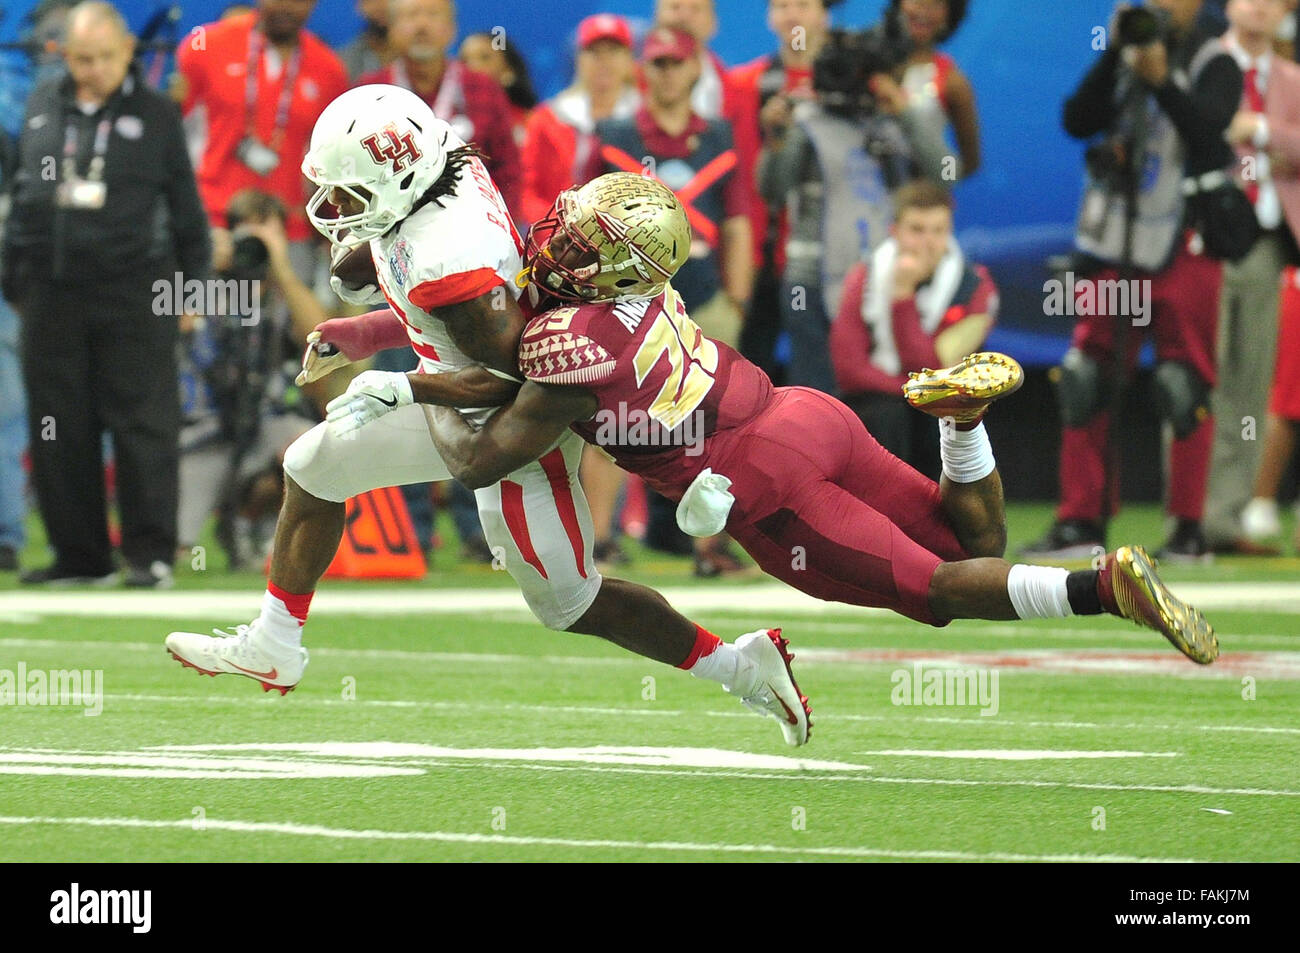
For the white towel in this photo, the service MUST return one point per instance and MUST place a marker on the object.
(705, 505)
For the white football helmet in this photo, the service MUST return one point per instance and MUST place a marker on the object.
(381, 145)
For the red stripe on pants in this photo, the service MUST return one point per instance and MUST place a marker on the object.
(512, 508)
(558, 475)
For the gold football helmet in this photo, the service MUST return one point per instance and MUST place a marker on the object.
(622, 235)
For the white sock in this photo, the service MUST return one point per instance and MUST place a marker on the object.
(1038, 592)
(281, 629)
(966, 454)
(724, 665)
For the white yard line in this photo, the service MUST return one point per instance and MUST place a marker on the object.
(1280, 597)
(512, 840)
(998, 722)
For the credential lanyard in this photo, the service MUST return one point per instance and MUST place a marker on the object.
(70, 136)
(290, 74)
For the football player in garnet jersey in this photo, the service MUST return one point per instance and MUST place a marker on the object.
(446, 256)
(817, 502)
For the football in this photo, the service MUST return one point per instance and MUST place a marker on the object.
(355, 268)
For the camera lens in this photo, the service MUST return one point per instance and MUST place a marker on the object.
(1137, 26)
(249, 254)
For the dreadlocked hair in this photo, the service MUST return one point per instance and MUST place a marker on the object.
(445, 184)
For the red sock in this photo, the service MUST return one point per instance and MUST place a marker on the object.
(296, 603)
(706, 643)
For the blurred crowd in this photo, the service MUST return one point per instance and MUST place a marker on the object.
(818, 182)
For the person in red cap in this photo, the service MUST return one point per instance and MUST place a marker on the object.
(473, 103)
(559, 140)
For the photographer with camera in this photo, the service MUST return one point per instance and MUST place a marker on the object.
(1162, 96)
(240, 409)
(832, 162)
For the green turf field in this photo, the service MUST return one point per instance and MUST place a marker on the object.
(436, 722)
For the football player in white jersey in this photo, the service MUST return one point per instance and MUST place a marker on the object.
(446, 257)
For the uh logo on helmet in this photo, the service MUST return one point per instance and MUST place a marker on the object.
(374, 151)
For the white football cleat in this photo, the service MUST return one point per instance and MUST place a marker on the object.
(243, 653)
(774, 690)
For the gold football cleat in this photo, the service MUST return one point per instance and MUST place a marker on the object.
(1137, 592)
(965, 390)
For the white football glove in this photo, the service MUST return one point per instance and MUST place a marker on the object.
(319, 359)
(366, 294)
(370, 395)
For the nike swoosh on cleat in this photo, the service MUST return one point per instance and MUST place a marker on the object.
(790, 715)
(274, 673)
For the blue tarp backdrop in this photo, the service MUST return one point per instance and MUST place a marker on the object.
(1023, 57)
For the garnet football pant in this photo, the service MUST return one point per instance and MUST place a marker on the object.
(822, 506)
(535, 520)
(1184, 312)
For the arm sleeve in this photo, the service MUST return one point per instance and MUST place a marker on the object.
(778, 170)
(189, 221)
(929, 148)
(454, 289)
(1092, 107)
(1201, 115)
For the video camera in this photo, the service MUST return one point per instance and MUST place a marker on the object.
(845, 65)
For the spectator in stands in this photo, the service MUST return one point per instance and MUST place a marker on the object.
(240, 412)
(1259, 519)
(937, 90)
(916, 303)
(695, 158)
(832, 163)
(370, 49)
(261, 80)
(422, 31)
(774, 83)
(1188, 89)
(1265, 131)
(86, 250)
(13, 402)
(560, 139)
(502, 61)
(715, 95)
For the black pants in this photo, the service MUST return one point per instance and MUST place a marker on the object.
(96, 358)
(901, 429)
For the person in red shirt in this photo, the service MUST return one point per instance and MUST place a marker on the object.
(559, 140)
(259, 120)
(422, 32)
(915, 303)
(774, 83)
(489, 53)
